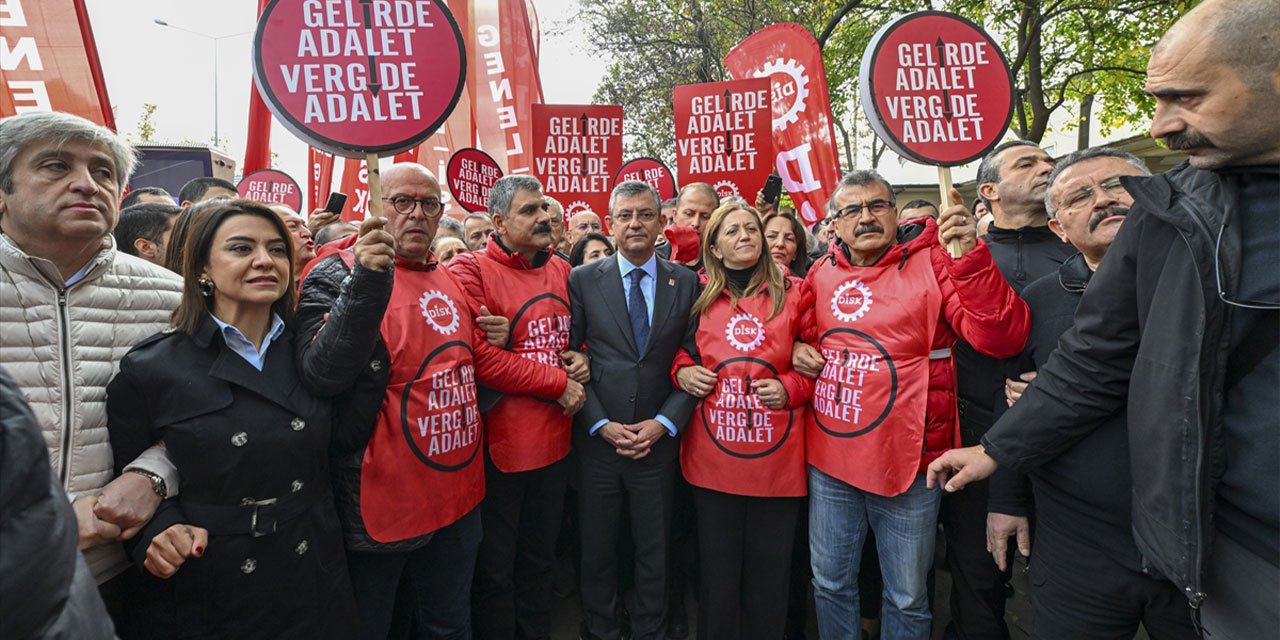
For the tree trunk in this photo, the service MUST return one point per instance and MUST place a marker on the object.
(848, 149)
(1086, 120)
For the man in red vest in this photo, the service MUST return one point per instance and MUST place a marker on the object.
(395, 335)
(890, 303)
(519, 276)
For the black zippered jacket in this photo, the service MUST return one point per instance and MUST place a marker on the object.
(1150, 336)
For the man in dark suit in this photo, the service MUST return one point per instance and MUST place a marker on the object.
(631, 313)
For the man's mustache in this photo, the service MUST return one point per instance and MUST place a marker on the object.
(867, 228)
(544, 227)
(1115, 210)
(1188, 139)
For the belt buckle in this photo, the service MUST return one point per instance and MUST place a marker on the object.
(253, 521)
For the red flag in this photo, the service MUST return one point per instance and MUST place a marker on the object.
(257, 148)
(505, 82)
(804, 140)
(51, 61)
(319, 176)
(355, 183)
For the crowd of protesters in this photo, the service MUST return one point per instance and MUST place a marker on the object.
(238, 422)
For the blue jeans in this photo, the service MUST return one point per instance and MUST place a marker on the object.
(905, 527)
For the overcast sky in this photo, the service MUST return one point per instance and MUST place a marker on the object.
(145, 63)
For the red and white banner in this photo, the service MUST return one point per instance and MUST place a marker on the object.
(724, 135)
(472, 173)
(505, 83)
(803, 136)
(319, 177)
(577, 150)
(355, 183)
(271, 186)
(50, 61)
(650, 170)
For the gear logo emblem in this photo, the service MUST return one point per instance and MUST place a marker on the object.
(851, 300)
(793, 87)
(725, 188)
(576, 207)
(745, 332)
(439, 311)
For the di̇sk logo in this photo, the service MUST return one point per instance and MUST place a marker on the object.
(725, 189)
(440, 312)
(790, 89)
(851, 300)
(745, 332)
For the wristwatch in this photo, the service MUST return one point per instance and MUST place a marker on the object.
(157, 483)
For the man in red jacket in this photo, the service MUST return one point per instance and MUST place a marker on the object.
(519, 276)
(890, 303)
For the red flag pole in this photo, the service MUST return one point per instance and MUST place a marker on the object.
(95, 64)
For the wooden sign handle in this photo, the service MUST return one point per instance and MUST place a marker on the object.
(375, 185)
(944, 188)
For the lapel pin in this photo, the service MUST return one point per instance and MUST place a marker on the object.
(671, 282)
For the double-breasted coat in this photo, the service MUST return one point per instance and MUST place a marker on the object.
(251, 448)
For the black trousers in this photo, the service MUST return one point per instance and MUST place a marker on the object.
(744, 544)
(511, 594)
(605, 485)
(977, 584)
(1079, 592)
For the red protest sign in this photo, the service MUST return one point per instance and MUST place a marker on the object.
(270, 186)
(724, 135)
(577, 149)
(471, 173)
(650, 170)
(936, 88)
(354, 77)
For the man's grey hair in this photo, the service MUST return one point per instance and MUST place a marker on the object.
(451, 226)
(634, 188)
(989, 168)
(705, 188)
(555, 203)
(479, 215)
(1076, 157)
(504, 191)
(859, 178)
(20, 131)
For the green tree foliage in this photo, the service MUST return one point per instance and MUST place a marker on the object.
(1063, 53)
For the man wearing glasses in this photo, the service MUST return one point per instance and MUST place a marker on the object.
(1179, 326)
(631, 313)
(391, 336)
(891, 302)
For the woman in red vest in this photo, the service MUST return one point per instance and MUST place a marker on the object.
(743, 450)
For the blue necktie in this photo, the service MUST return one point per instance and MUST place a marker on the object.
(639, 310)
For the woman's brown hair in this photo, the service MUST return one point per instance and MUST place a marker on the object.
(766, 277)
(800, 263)
(201, 229)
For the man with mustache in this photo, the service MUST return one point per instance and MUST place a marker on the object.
(519, 276)
(891, 302)
(1087, 579)
(395, 340)
(1179, 326)
(1011, 182)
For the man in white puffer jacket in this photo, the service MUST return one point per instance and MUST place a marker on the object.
(71, 306)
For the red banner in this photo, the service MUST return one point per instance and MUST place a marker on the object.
(50, 61)
(472, 173)
(724, 135)
(257, 148)
(650, 170)
(355, 183)
(319, 177)
(271, 186)
(505, 83)
(577, 150)
(803, 137)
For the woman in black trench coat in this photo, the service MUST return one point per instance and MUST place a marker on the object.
(251, 547)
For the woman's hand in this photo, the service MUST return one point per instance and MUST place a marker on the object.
(172, 547)
(696, 381)
(772, 393)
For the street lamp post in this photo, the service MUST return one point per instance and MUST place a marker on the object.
(216, 139)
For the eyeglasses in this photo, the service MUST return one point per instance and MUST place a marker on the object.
(877, 207)
(1085, 196)
(1222, 291)
(644, 215)
(404, 205)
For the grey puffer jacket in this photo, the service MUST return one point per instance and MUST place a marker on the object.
(62, 345)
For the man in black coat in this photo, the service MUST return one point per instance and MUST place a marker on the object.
(631, 313)
(46, 590)
(1180, 326)
(1087, 579)
(1011, 181)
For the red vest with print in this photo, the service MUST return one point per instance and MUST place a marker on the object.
(524, 432)
(735, 444)
(422, 469)
(875, 328)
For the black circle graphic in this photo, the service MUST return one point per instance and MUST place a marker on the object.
(893, 388)
(791, 414)
(404, 414)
